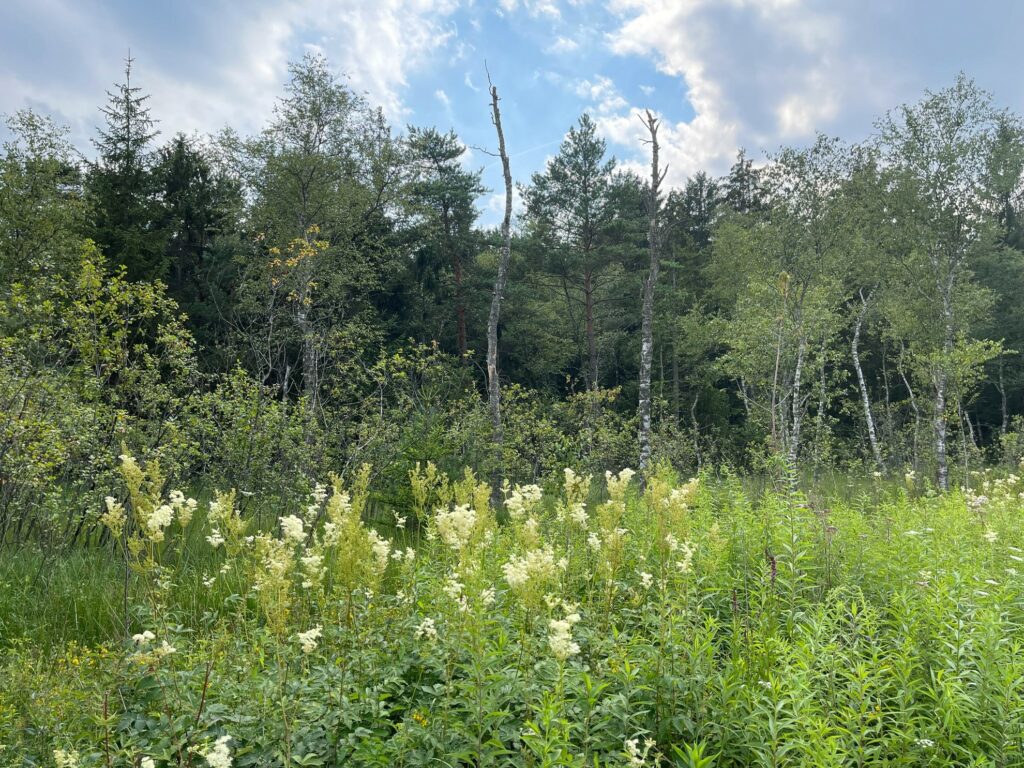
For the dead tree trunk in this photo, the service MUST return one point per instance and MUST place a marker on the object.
(588, 311)
(865, 400)
(647, 312)
(500, 281)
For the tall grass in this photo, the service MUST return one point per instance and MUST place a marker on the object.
(693, 624)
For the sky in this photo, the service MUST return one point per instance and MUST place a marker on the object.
(721, 74)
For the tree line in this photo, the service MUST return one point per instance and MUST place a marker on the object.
(263, 309)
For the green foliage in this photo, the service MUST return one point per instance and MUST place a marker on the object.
(692, 625)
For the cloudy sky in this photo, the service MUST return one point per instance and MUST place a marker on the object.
(721, 73)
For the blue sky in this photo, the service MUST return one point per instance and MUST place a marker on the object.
(721, 73)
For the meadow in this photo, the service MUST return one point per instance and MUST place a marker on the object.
(588, 623)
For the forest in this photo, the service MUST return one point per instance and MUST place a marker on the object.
(301, 463)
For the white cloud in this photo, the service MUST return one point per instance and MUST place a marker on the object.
(441, 96)
(757, 72)
(602, 93)
(548, 8)
(563, 45)
(377, 44)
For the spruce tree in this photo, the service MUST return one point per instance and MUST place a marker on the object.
(122, 186)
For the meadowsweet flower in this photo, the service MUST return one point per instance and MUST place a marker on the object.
(909, 477)
(594, 542)
(522, 500)
(159, 518)
(165, 649)
(426, 629)
(219, 755)
(381, 550)
(990, 536)
(684, 495)
(560, 637)
(313, 568)
(114, 517)
(308, 639)
(292, 529)
(147, 762)
(578, 514)
(646, 580)
(487, 596)
(535, 565)
(319, 494)
(143, 638)
(617, 484)
(65, 759)
(209, 581)
(215, 538)
(401, 520)
(636, 756)
(455, 526)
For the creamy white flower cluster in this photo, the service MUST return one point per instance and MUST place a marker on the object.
(309, 639)
(536, 565)
(455, 526)
(522, 500)
(560, 635)
(617, 484)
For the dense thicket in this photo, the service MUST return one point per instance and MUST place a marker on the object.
(257, 311)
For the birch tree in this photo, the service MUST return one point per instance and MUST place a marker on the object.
(939, 152)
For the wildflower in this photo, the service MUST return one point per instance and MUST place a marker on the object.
(990, 536)
(594, 542)
(143, 638)
(319, 494)
(454, 589)
(537, 564)
(455, 526)
(147, 762)
(578, 514)
(426, 629)
(381, 549)
(400, 520)
(617, 484)
(159, 518)
(308, 639)
(114, 517)
(925, 743)
(219, 756)
(292, 529)
(215, 538)
(646, 580)
(487, 596)
(684, 494)
(65, 759)
(209, 581)
(560, 637)
(637, 757)
(165, 649)
(909, 477)
(313, 567)
(522, 500)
